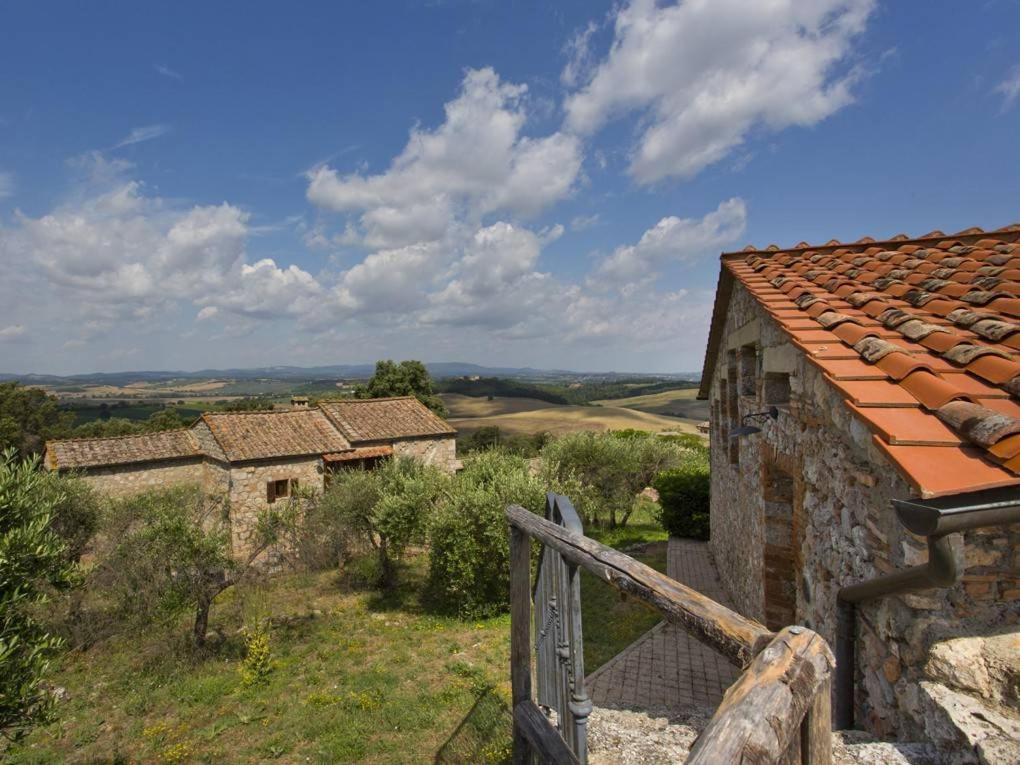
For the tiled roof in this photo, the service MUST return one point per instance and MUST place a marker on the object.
(76, 453)
(240, 436)
(920, 336)
(262, 435)
(382, 419)
(361, 453)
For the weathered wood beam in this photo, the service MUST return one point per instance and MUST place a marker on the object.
(544, 739)
(738, 638)
(760, 717)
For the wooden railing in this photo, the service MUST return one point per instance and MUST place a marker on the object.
(778, 711)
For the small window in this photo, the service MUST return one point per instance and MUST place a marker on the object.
(279, 489)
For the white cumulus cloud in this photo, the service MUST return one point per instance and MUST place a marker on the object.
(477, 161)
(704, 74)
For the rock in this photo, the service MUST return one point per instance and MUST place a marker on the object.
(853, 747)
(623, 737)
(987, 665)
(966, 729)
(958, 664)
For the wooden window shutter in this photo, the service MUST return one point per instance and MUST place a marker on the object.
(271, 491)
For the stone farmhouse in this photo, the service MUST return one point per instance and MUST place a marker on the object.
(258, 458)
(865, 429)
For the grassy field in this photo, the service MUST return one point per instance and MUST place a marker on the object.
(357, 677)
(522, 416)
(461, 406)
(676, 403)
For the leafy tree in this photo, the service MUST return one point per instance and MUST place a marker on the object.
(248, 404)
(614, 466)
(33, 559)
(383, 510)
(169, 552)
(112, 426)
(164, 419)
(408, 378)
(28, 416)
(469, 553)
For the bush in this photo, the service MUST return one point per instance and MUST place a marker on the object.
(684, 501)
(469, 551)
(258, 657)
(33, 559)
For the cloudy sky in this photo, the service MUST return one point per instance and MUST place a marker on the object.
(510, 183)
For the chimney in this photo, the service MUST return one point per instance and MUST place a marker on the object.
(299, 402)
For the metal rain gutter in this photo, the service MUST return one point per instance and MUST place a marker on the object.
(934, 519)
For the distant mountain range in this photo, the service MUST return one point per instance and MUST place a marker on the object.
(440, 369)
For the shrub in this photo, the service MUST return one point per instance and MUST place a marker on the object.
(684, 501)
(258, 657)
(33, 559)
(469, 555)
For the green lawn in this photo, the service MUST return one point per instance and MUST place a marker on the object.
(356, 678)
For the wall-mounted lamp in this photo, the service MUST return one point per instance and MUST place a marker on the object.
(772, 413)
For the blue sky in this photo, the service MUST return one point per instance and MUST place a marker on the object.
(513, 183)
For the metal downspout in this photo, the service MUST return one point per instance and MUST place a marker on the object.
(936, 520)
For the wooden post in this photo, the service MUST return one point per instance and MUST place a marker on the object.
(816, 728)
(520, 636)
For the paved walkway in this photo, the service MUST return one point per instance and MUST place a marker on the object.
(667, 669)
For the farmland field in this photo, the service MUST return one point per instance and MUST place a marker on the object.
(516, 416)
(676, 403)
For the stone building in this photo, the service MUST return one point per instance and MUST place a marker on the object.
(894, 444)
(258, 458)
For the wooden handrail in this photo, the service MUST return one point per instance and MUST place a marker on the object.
(778, 710)
(736, 637)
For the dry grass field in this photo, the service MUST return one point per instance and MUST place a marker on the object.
(678, 403)
(519, 416)
(479, 406)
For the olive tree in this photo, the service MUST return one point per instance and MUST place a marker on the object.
(33, 560)
(169, 552)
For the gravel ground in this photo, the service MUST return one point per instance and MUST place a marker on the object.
(624, 737)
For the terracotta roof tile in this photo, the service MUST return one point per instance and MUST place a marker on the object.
(908, 330)
(380, 419)
(74, 453)
(264, 435)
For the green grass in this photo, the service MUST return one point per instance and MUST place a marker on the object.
(356, 677)
(369, 679)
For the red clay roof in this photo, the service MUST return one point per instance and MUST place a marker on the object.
(327, 430)
(920, 336)
(383, 419)
(76, 453)
(361, 453)
(263, 435)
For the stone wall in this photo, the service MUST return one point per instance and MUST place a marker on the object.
(125, 480)
(441, 452)
(803, 508)
(249, 497)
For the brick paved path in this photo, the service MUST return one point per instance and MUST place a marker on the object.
(666, 668)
